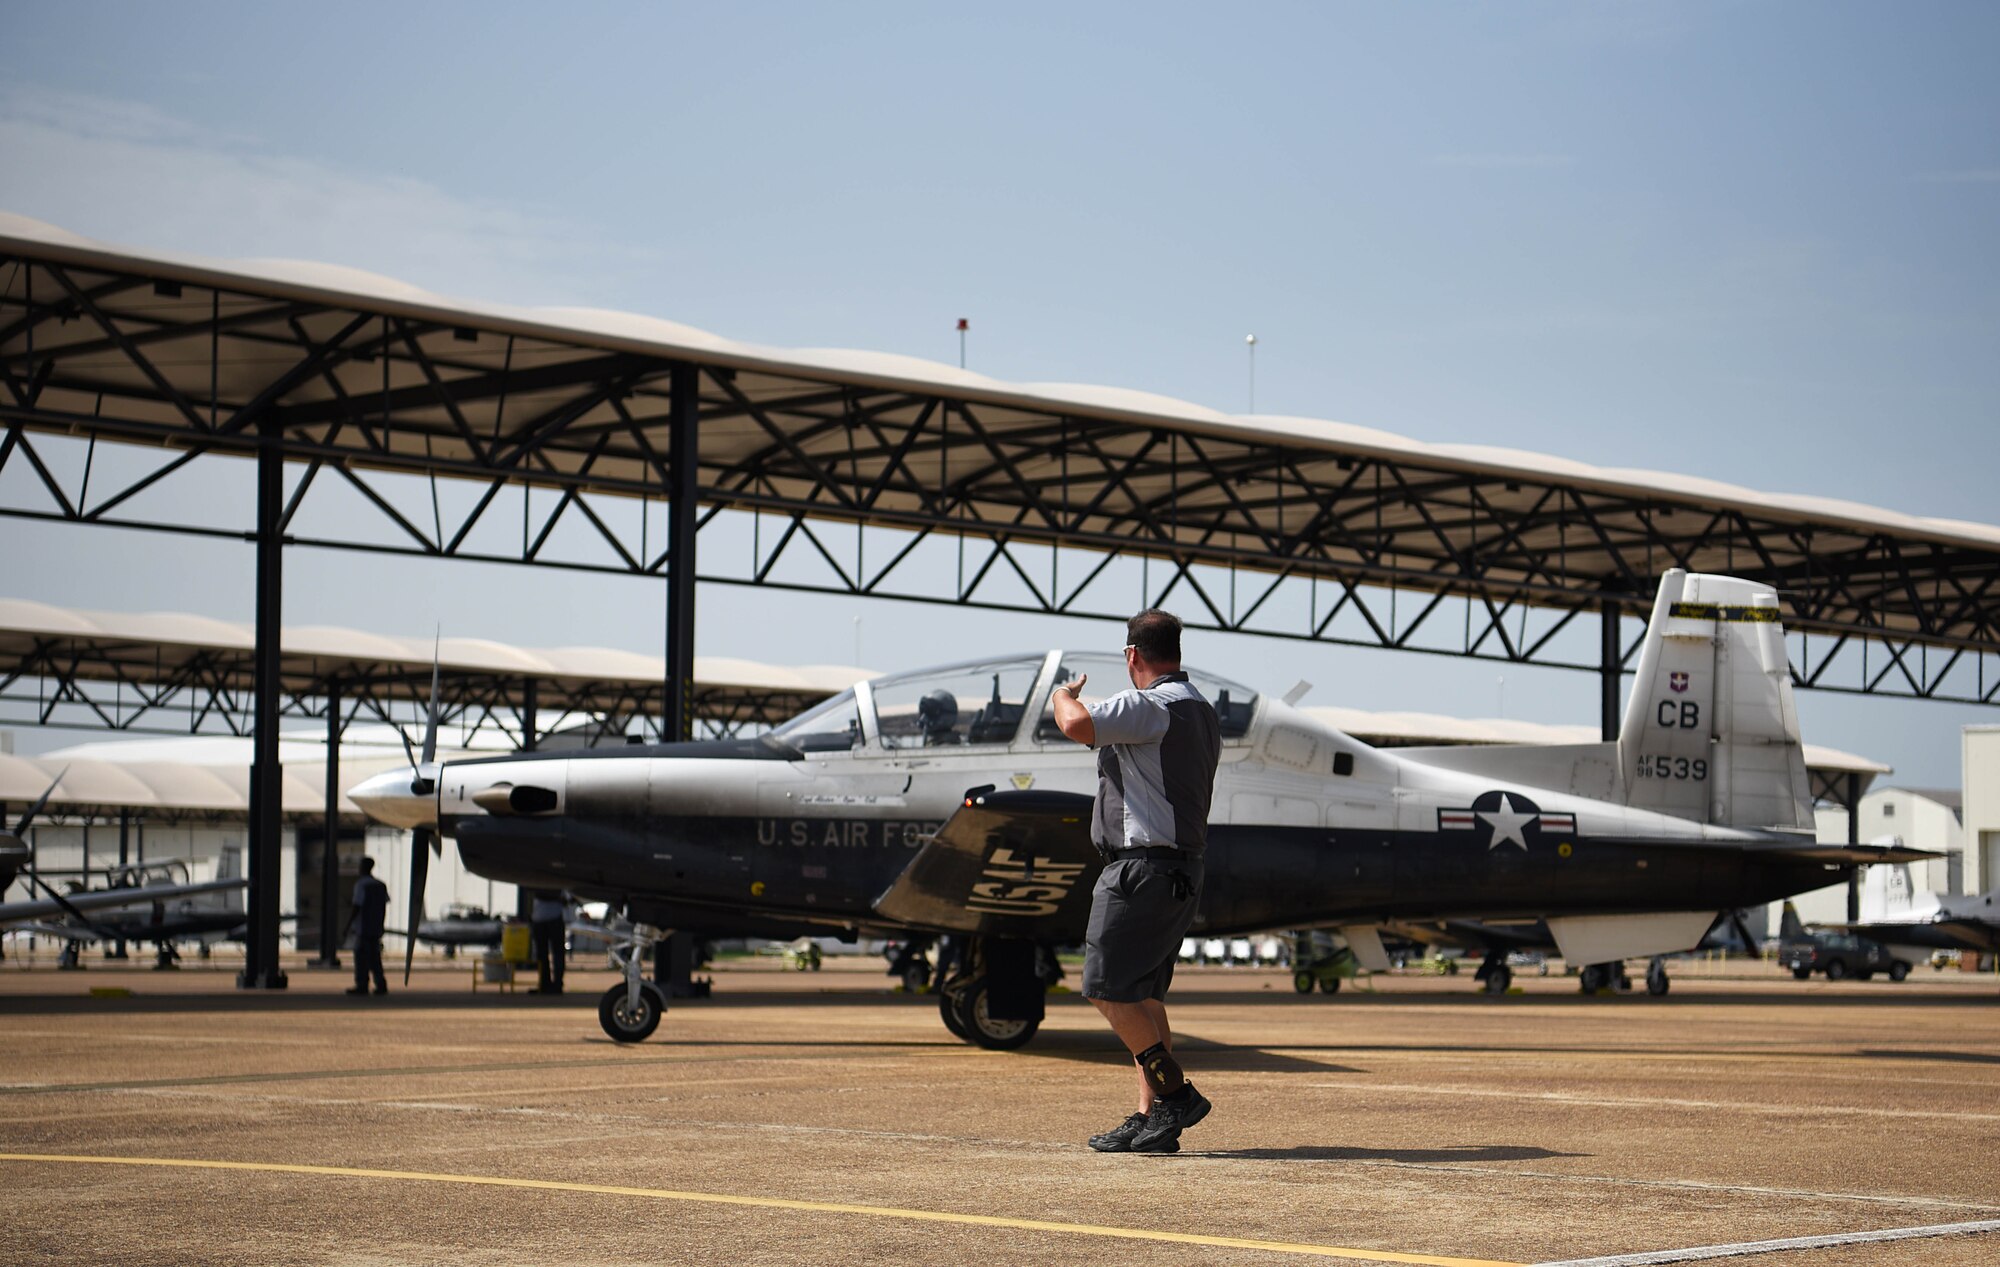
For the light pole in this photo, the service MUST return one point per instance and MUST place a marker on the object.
(1250, 342)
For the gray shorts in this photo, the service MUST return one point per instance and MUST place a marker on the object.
(1136, 926)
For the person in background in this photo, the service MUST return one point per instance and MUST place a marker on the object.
(547, 920)
(366, 921)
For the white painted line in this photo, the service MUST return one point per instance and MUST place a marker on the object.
(1771, 1247)
(1639, 1101)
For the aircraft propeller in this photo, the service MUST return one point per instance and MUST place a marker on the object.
(424, 840)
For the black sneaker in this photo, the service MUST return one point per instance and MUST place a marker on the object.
(1119, 1138)
(1162, 1131)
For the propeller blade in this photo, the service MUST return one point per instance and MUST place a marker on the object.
(431, 730)
(35, 881)
(40, 805)
(422, 842)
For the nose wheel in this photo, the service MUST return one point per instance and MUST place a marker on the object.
(629, 1015)
(631, 1010)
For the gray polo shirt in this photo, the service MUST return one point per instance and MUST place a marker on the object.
(1157, 748)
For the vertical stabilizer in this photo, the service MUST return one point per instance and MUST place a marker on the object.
(1789, 927)
(1710, 732)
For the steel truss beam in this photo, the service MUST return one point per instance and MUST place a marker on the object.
(493, 445)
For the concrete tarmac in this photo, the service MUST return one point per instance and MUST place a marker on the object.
(820, 1118)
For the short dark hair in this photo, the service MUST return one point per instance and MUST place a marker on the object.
(367, 865)
(1156, 634)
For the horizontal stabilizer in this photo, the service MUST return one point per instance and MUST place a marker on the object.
(1804, 849)
(1005, 864)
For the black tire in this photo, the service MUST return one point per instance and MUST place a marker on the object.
(1302, 982)
(1499, 979)
(1329, 984)
(985, 1031)
(813, 964)
(1836, 970)
(1591, 980)
(917, 977)
(1898, 970)
(629, 1025)
(1802, 974)
(948, 1011)
(1658, 983)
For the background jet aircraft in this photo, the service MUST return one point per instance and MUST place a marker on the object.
(855, 815)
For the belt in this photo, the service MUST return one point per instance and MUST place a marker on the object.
(1154, 853)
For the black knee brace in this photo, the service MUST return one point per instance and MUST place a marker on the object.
(1163, 1072)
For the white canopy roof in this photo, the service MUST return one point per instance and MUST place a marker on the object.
(654, 336)
(23, 620)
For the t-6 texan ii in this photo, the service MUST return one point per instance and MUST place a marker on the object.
(856, 816)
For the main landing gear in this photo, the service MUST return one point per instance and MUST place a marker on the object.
(1494, 972)
(1604, 978)
(991, 990)
(1610, 978)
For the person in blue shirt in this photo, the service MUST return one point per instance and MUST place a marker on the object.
(366, 920)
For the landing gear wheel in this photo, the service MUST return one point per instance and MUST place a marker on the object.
(1592, 978)
(1302, 982)
(1657, 983)
(1499, 979)
(948, 1009)
(1836, 971)
(629, 1023)
(985, 1030)
(1898, 970)
(1329, 985)
(1802, 974)
(917, 977)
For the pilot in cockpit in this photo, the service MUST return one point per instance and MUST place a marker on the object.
(937, 716)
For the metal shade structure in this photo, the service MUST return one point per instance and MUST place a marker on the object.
(179, 673)
(1290, 527)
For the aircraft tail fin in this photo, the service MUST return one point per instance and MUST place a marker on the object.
(1710, 731)
(1789, 926)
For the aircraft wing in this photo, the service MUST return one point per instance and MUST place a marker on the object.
(1942, 933)
(111, 899)
(1804, 848)
(1005, 864)
(59, 932)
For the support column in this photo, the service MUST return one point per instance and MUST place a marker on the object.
(677, 721)
(530, 714)
(117, 950)
(260, 961)
(1854, 838)
(1610, 672)
(329, 859)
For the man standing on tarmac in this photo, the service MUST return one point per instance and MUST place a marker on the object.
(367, 919)
(548, 930)
(1157, 746)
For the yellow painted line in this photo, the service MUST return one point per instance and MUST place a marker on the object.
(776, 1203)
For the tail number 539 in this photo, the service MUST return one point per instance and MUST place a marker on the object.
(1665, 767)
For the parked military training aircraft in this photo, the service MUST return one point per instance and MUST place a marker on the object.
(856, 815)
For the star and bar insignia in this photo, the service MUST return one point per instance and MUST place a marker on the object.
(1508, 816)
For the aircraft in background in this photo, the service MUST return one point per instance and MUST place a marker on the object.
(153, 902)
(1914, 924)
(856, 816)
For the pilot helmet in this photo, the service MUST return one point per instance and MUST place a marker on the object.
(937, 712)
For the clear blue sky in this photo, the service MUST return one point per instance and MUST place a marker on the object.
(1749, 241)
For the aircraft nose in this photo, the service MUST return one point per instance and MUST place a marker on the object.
(390, 798)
